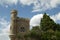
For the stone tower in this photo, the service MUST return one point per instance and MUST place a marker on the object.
(18, 26)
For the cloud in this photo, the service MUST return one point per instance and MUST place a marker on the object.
(6, 6)
(5, 3)
(4, 37)
(9, 2)
(26, 2)
(35, 20)
(38, 5)
(4, 29)
(41, 5)
(56, 17)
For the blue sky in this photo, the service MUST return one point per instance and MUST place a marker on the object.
(33, 9)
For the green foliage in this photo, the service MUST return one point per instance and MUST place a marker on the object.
(58, 27)
(47, 23)
(48, 30)
(57, 34)
(19, 36)
(35, 32)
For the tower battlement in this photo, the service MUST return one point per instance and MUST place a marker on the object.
(14, 11)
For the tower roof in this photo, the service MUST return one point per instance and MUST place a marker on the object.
(14, 11)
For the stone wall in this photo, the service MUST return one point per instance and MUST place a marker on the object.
(19, 26)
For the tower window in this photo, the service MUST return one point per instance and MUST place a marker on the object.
(22, 29)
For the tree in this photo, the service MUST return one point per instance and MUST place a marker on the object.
(35, 33)
(48, 30)
(58, 27)
(57, 34)
(47, 23)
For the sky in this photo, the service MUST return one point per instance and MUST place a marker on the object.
(32, 9)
